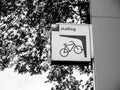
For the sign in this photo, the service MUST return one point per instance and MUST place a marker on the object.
(71, 42)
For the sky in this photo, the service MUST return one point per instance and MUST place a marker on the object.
(9, 80)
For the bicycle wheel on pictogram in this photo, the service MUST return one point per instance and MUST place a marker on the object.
(63, 52)
(78, 49)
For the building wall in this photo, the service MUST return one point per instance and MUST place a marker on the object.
(106, 31)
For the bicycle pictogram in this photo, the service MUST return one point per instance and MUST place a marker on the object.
(64, 52)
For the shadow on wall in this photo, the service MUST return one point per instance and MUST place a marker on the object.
(118, 86)
(116, 3)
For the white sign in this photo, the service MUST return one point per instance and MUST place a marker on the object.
(71, 42)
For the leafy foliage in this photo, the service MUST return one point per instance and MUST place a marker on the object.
(25, 33)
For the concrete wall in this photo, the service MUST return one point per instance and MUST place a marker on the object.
(106, 8)
(106, 30)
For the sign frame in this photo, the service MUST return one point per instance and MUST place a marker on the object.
(57, 61)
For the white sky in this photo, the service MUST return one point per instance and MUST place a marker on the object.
(10, 80)
(13, 81)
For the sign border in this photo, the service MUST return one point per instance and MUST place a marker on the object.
(75, 62)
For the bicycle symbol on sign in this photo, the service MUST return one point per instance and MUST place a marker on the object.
(65, 51)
